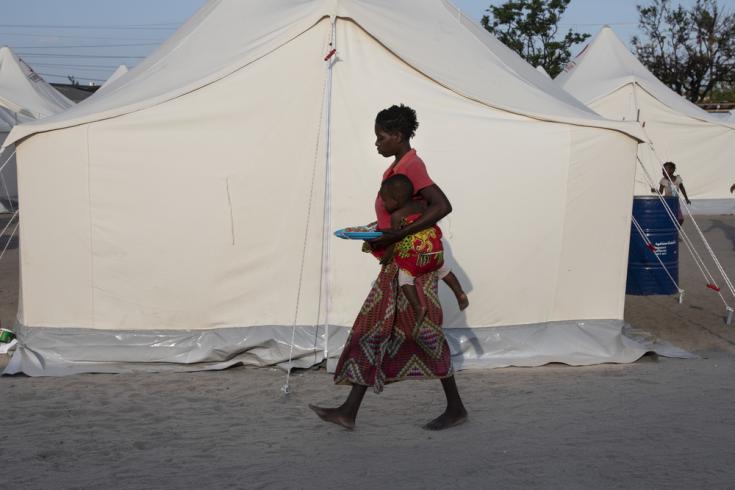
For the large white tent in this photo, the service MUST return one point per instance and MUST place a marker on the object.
(186, 217)
(24, 96)
(609, 79)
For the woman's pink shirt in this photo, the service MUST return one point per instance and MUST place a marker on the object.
(412, 167)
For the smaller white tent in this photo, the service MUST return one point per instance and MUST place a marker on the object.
(119, 72)
(24, 96)
(24, 91)
(610, 80)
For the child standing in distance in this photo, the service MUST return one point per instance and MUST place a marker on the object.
(419, 253)
(671, 184)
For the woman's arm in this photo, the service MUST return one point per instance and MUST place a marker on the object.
(438, 206)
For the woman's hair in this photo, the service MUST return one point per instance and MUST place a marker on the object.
(400, 119)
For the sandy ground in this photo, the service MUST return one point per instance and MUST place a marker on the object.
(652, 424)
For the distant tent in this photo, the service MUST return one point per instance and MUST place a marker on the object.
(542, 70)
(119, 72)
(189, 216)
(609, 79)
(24, 91)
(24, 96)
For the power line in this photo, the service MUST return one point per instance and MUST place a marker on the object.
(56, 55)
(67, 76)
(165, 27)
(75, 65)
(97, 38)
(87, 46)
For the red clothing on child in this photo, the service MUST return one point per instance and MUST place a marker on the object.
(419, 253)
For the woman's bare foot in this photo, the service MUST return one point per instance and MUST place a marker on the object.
(462, 301)
(335, 416)
(447, 419)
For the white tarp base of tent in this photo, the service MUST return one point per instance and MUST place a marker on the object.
(713, 206)
(61, 352)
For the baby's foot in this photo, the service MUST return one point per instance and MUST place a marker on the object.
(462, 301)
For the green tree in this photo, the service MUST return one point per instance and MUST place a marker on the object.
(721, 93)
(690, 50)
(531, 29)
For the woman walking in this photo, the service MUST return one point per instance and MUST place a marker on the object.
(386, 343)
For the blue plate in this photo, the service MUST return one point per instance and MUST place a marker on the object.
(357, 235)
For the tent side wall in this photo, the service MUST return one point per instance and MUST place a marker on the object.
(56, 258)
(188, 222)
(594, 257)
(186, 215)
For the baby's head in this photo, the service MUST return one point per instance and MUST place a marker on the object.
(396, 192)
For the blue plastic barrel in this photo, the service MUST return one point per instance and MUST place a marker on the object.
(646, 275)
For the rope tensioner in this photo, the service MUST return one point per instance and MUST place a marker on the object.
(330, 54)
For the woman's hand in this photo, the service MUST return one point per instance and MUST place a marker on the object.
(389, 238)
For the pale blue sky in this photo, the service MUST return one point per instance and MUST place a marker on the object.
(82, 47)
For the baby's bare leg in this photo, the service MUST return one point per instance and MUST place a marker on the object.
(412, 296)
(453, 283)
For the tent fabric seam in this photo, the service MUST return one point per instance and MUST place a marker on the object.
(91, 226)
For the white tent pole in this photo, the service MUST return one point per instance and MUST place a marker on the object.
(327, 221)
(286, 387)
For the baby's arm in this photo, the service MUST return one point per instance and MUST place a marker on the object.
(396, 220)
